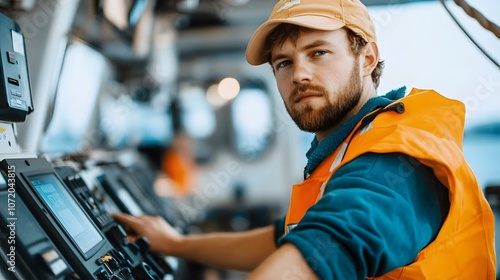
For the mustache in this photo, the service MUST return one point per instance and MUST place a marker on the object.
(302, 88)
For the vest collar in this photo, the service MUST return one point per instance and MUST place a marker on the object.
(320, 150)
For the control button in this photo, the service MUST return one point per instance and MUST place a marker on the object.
(58, 266)
(15, 102)
(102, 275)
(99, 261)
(117, 236)
(54, 262)
(16, 93)
(120, 254)
(11, 57)
(143, 244)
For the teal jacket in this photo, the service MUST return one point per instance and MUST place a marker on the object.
(371, 219)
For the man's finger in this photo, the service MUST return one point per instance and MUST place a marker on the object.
(131, 239)
(127, 219)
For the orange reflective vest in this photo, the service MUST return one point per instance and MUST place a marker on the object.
(429, 128)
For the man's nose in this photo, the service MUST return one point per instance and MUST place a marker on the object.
(301, 72)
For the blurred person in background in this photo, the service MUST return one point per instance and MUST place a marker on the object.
(178, 164)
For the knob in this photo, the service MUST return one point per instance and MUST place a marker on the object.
(116, 235)
(143, 244)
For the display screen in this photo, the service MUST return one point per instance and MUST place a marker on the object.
(66, 211)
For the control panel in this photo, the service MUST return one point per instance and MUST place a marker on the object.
(24, 243)
(15, 90)
(54, 225)
(81, 243)
(144, 264)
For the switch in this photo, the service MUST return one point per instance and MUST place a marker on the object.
(16, 93)
(102, 275)
(11, 57)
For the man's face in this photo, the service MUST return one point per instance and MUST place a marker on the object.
(318, 78)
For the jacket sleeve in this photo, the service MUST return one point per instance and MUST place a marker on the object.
(377, 213)
(279, 226)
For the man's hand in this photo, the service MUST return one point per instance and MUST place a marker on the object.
(231, 250)
(163, 238)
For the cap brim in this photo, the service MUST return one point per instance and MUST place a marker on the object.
(254, 53)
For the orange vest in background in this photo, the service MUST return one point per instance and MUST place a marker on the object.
(430, 130)
(179, 165)
(177, 169)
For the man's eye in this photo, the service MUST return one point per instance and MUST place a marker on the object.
(318, 53)
(283, 64)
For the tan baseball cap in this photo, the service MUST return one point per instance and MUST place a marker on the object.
(315, 14)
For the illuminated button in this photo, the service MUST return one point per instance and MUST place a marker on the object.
(11, 57)
(107, 258)
(16, 93)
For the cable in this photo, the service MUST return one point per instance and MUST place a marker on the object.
(482, 20)
(472, 12)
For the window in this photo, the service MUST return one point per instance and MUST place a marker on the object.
(252, 121)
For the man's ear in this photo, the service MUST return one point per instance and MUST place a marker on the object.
(369, 58)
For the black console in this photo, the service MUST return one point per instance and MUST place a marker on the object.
(68, 226)
(143, 263)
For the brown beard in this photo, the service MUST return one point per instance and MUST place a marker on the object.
(330, 115)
